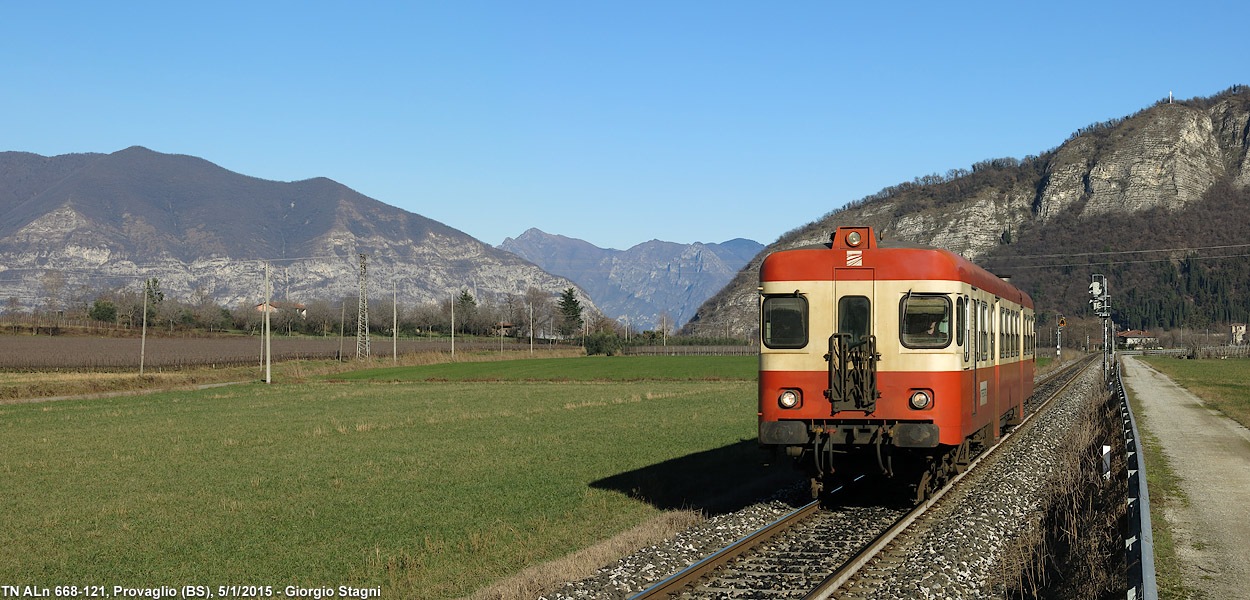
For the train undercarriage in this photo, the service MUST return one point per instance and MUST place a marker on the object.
(838, 452)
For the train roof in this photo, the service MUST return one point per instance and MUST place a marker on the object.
(889, 260)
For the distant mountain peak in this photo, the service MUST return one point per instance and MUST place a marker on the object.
(112, 219)
(641, 283)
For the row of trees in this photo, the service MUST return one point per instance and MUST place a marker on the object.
(536, 312)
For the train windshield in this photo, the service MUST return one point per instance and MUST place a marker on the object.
(926, 321)
(785, 321)
(854, 317)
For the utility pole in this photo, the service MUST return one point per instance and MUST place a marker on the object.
(362, 315)
(531, 328)
(342, 319)
(143, 341)
(268, 307)
(395, 322)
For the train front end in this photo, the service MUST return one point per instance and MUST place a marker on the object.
(860, 371)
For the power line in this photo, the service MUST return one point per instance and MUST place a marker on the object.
(1117, 252)
(1128, 262)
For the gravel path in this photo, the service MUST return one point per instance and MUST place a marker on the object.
(1210, 454)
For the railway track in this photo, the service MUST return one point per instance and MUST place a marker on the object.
(814, 552)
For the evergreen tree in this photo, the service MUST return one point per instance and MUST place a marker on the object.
(103, 310)
(466, 311)
(570, 313)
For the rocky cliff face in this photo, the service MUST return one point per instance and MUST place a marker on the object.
(644, 282)
(117, 219)
(1166, 156)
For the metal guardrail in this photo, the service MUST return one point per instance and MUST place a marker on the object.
(1139, 543)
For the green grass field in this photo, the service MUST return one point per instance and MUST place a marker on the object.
(587, 368)
(429, 489)
(1221, 383)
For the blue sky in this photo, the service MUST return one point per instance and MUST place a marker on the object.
(616, 123)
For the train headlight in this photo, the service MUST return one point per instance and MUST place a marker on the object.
(853, 238)
(788, 399)
(920, 400)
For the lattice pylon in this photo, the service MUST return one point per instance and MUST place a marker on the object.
(362, 316)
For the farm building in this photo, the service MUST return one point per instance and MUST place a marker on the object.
(274, 307)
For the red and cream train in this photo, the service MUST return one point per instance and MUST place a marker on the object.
(888, 357)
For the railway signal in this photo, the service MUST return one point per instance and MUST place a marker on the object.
(1059, 339)
(1100, 301)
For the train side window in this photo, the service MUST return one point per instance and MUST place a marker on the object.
(968, 317)
(1002, 333)
(1018, 337)
(855, 317)
(784, 321)
(925, 321)
(959, 322)
(986, 334)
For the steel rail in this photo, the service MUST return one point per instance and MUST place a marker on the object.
(674, 583)
(838, 578)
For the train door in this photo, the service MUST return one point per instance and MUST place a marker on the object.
(854, 291)
(997, 325)
(980, 357)
(853, 359)
(968, 330)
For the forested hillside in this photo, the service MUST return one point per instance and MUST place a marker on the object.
(1156, 200)
(1165, 269)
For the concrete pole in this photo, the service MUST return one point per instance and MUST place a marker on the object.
(143, 341)
(268, 340)
(394, 323)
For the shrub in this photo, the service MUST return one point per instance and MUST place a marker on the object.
(604, 343)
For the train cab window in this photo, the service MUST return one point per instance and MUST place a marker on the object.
(925, 321)
(784, 321)
(855, 317)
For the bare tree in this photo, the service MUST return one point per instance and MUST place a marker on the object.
(13, 306)
(599, 323)
(544, 310)
(52, 287)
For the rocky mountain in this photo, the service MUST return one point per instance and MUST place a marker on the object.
(1130, 184)
(644, 282)
(115, 219)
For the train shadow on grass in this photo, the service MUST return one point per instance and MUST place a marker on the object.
(714, 481)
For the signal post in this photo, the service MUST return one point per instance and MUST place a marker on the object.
(1100, 301)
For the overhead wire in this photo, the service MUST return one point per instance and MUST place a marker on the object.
(1116, 262)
